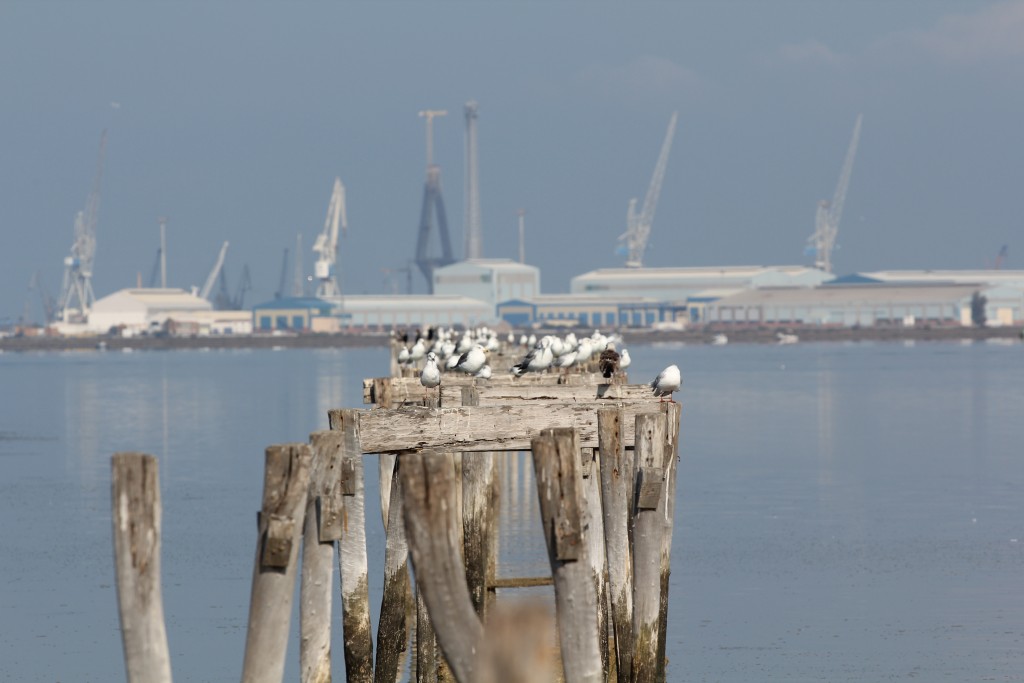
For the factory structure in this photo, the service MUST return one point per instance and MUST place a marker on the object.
(478, 290)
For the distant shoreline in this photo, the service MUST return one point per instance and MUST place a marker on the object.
(702, 335)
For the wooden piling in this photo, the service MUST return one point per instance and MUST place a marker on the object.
(352, 560)
(556, 460)
(285, 488)
(135, 485)
(426, 643)
(392, 633)
(477, 516)
(428, 485)
(672, 412)
(617, 499)
(593, 522)
(322, 527)
(648, 529)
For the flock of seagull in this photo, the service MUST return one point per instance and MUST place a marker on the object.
(446, 350)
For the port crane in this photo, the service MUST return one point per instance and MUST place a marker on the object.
(279, 293)
(326, 244)
(826, 221)
(638, 225)
(76, 297)
(225, 301)
(433, 204)
(211, 279)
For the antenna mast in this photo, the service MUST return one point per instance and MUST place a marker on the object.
(473, 223)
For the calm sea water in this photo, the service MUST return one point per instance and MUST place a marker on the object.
(846, 512)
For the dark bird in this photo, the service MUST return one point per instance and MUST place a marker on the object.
(609, 361)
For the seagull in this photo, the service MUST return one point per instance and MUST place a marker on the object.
(430, 377)
(667, 382)
(403, 355)
(418, 350)
(536, 360)
(624, 359)
(584, 351)
(609, 361)
(484, 372)
(472, 360)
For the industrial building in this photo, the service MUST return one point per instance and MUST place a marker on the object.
(163, 310)
(488, 280)
(139, 310)
(855, 302)
(989, 278)
(682, 284)
(369, 313)
(589, 310)
(292, 313)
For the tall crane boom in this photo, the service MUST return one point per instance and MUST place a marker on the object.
(638, 226)
(826, 219)
(76, 296)
(326, 244)
(211, 279)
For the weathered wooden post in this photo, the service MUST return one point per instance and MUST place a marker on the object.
(392, 634)
(428, 485)
(477, 516)
(593, 522)
(648, 529)
(322, 527)
(426, 641)
(556, 459)
(352, 560)
(285, 487)
(672, 412)
(135, 485)
(617, 498)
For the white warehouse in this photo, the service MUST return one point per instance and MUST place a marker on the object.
(489, 280)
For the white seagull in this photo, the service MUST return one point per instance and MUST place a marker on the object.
(484, 372)
(624, 359)
(474, 359)
(667, 382)
(430, 377)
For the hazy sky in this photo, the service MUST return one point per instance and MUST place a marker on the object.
(234, 120)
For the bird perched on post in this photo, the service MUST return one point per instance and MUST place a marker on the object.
(624, 359)
(667, 382)
(472, 360)
(430, 377)
(609, 361)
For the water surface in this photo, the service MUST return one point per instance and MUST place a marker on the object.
(846, 512)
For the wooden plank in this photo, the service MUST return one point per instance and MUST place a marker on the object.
(522, 582)
(405, 389)
(617, 497)
(137, 513)
(322, 523)
(285, 490)
(648, 529)
(501, 394)
(559, 484)
(672, 412)
(487, 428)
(352, 560)
(392, 634)
(432, 528)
